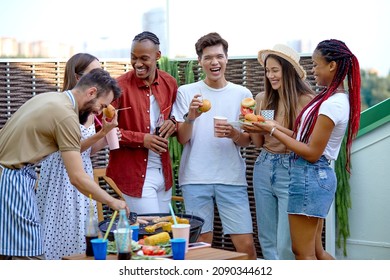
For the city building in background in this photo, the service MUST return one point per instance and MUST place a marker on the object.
(8, 47)
(154, 20)
(11, 48)
(301, 46)
(169, 23)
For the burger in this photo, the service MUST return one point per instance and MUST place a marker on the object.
(206, 106)
(248, 106)
(260, 118)
(250, 118)
(109, 111)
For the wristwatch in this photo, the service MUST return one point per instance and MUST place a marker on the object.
(185, 117)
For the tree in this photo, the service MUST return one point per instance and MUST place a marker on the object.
(374, 88)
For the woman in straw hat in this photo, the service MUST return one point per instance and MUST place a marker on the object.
(318, 134)
(285, 95)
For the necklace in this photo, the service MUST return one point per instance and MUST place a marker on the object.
(339, 90)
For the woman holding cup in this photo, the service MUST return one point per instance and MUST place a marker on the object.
(285, 95)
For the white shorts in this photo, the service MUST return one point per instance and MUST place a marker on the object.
(154, 197)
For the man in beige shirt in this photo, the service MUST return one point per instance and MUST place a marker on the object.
(46, 123)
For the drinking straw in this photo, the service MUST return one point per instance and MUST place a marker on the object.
(99, 122)
(90, 205)
(172, 213)
(91, 213)
(120, 109)
(110, 225)
(166, 109)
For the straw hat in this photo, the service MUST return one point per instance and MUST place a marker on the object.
(285, 52)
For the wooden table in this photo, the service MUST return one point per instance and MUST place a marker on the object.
(195, 254)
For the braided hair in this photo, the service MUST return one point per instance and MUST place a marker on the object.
(147, 35)
(347, 65)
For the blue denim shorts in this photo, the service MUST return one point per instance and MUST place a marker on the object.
(312, 187)
(232, 202)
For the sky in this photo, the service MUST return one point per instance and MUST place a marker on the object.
(248, 25)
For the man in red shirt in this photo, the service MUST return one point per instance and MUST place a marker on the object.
(141, 167)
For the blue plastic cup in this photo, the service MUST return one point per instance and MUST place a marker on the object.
(178, 248)
(135, 230)
(99, 247)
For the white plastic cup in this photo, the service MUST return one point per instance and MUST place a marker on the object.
(182, 231)
(217, 120)
(123, 240)
(112, 139)
(268, 114)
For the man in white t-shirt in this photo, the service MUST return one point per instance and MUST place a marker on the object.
(212, 169)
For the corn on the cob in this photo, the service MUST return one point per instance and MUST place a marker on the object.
(152, 228)
(159, 238)
(170, 219)
(167, 227)
(182, 220)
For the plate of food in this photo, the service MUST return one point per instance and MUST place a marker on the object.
(235, 124)
(251, 118)
(247, 119)
(242, 123)
(156, 251)
(111, 247)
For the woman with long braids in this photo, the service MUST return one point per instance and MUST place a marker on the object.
(316, 141)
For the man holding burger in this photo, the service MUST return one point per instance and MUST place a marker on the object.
(211, 168)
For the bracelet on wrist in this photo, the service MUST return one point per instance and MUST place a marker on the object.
(186, 120)
(272, 131)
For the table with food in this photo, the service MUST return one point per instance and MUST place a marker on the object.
(155, 233)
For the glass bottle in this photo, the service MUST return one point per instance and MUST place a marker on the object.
(123, 237)
(91, 232)
(159, 123)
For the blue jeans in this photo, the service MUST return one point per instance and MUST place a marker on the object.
(270, 182)
(313, 187)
